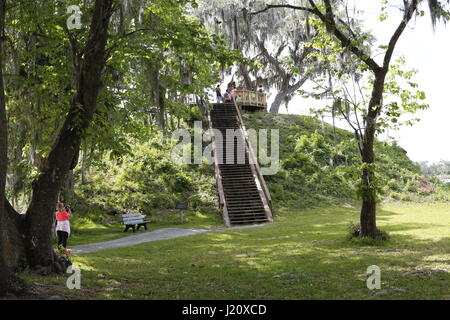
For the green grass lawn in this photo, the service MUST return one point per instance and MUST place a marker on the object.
(302, 255)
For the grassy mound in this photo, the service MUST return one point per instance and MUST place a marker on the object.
(319, 165)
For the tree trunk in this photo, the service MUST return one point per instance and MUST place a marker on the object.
(39, 216)
(158, 92)
(286, 90)
(368, 208)
(246, 77)
(276, 104)
(68, 191)
(4, 270)
(162, 108)
(84, 164)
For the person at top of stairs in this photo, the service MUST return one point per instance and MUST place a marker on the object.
(227, 96)
(234, 94)
(218, 94)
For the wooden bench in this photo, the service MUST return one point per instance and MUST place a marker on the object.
(131, 220)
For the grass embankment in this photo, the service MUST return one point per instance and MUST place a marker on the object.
(303, 255)
(322, 165)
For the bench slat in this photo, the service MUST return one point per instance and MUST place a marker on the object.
(131, 215)
(133, 218)
(134, 221)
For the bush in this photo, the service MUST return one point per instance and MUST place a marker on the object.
(394, 185)
(395, 195)
(148, 180)
(405, 197)
(354, 233)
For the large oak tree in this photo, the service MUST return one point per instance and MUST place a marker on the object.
(29, 235)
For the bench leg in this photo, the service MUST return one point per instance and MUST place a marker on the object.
(126, 228)
(134, 228)
(141, 225)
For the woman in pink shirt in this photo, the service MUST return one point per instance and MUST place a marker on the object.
(62, 224)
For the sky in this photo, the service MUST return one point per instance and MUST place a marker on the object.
(427, 51)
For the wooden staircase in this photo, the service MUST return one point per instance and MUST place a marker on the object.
(243, 194)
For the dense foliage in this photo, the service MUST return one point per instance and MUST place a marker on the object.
(148, 181)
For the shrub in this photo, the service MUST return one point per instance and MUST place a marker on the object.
(394, 185)
(354, 233)
(395, 195)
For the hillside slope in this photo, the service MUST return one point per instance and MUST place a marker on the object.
(318, 166)
(316, 169)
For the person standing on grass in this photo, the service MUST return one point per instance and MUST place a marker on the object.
(62, 215)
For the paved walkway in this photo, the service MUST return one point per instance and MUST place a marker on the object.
(160, 234)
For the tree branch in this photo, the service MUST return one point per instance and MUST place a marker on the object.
(273, 6)
(269, 57)
(410, 8)
(328, 19)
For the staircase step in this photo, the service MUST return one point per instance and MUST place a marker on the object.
(239, 181)
(243, 217)
(252, 207)
(249, 221)
(238, 200)
(244, 205)
(237, 173)
(240, 192)
(237, 214)
(250, 212)
(232, 201)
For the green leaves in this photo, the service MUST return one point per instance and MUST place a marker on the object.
(401, 95)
